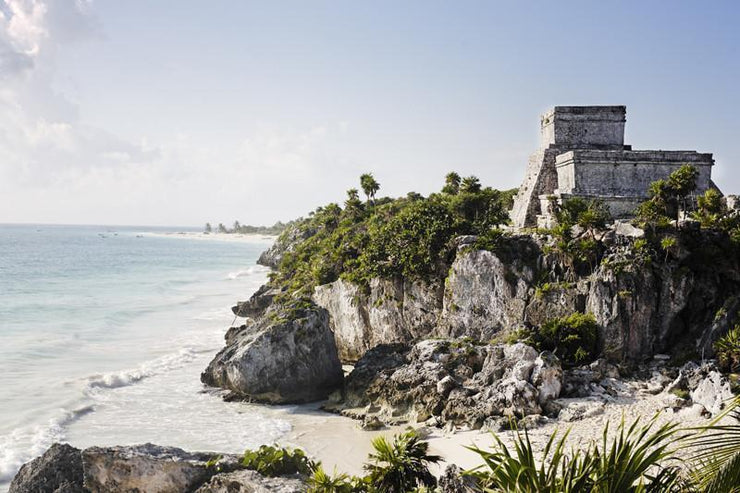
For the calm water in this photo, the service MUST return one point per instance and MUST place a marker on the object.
(103, 335)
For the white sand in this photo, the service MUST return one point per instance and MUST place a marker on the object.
(340, 444)
(191, 235)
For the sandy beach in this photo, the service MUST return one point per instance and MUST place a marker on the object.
(235, 237)
(341, 445)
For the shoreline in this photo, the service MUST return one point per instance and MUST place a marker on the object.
(202, 236)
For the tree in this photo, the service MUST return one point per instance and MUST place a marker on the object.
(369, 186)
(222, 228)
(353, 205)
(470, 184)
(237, 226)
(668, 198)
(452, 183)
(208, 228)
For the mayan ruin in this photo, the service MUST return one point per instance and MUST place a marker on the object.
(582, 154)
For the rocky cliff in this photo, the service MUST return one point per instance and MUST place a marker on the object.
(641, 306)
(642, 301)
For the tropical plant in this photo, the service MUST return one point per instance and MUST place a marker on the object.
(715, 459)
(208, 228)
(321, 482)
(632, 461)
(401, 465)
(369, 185)
(520, 471)
(452, 183)
(271, 460)
(574, 339)
(727, 348)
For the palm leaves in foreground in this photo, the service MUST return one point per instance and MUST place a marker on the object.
(402, 465)
(630, 462)
(716, 458)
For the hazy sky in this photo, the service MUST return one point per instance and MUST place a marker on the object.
(181, 112)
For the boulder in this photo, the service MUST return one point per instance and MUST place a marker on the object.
(713, 392)
(245, 481)
(149, 468)
(58, 470)
(452, 382)
(288, 356)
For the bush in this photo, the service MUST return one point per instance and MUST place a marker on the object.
(270, 460)
(402, 465)
(727, 348)
(573, 339)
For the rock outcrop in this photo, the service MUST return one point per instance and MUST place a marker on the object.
(59, 470)
(286, 356)
(150, 468)
(251, 482)
(451, 382)
(143, 468)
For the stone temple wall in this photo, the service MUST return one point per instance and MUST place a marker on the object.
(583, 154)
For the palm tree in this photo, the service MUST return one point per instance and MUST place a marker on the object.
(470, 184)
(401, 466)
(452, 183)
(369, 185)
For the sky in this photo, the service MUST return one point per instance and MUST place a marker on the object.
(181, 112)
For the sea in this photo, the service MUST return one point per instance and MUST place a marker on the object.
(104, 332)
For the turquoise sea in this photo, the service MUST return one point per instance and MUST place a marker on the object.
(104, 332)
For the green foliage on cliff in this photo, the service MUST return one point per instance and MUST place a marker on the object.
(574, 339)
(410, 236)
(727, 348)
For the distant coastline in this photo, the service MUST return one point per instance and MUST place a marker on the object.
(194, 235)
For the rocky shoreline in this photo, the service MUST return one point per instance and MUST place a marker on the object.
(442, 355)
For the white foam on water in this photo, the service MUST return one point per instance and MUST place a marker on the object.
(123, 378)
(23, 444)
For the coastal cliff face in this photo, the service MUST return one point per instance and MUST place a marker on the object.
(642, 302)
(641, 309)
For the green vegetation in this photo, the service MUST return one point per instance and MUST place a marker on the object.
(629, 462)
(401, 465)
(574, 339)
(668, 198)
(584, 251)
(727, 348)
(410, 236)
(276, 461)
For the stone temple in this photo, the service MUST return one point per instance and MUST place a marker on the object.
(582, 154)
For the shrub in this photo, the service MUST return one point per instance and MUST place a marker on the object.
(271, 460)
(573, 338)
(727, 348)
(402, 465)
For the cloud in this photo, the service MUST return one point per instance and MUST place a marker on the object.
(42, 139)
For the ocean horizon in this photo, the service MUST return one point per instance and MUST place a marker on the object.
(104, 331)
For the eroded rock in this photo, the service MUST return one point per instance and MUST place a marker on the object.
(58, 470)
(283, 358)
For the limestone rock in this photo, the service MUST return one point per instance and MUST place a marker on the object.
(147, 467)
(453, 381)
(58, 470)
(245, 481)
(394, 310)
(285, 358)
(487, 292)
(713, 392)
